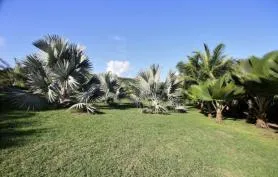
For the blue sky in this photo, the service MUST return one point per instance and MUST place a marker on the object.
(140, 32)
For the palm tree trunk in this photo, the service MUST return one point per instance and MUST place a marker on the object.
(209, 111)
(261, 122)
(262, 105)
(219, 116)
(219, 108)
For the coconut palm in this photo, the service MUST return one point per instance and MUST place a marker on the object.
(110, 86)
(191, 71)
(205, 65)
(259, 76)
(218, 92)
(57, 70)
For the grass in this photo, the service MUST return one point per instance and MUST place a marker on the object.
(125, 142)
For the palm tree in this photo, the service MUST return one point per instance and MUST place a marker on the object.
(218, 92)
(259, 76)
(89, 93)
(191, 71)
(149, 89)
(171, 89)
(202, 66)
(60, 72)
(205, 65)
(57, 70)
(110, 86)
(146, 89)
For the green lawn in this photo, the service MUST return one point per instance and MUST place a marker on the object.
(125, 142)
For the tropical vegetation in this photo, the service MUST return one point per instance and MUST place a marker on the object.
(59, 118)
(60, 74)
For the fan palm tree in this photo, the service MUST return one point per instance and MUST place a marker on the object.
(259, 76)
(146, 89)
(110, 86)
(89, 93)
(218, 92)
(171, 89)
(149, 89)
(57, 70)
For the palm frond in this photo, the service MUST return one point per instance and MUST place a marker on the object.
(89, 108)
(26, 100)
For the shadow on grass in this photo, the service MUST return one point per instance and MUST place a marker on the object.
(16, 127)
(121, 106)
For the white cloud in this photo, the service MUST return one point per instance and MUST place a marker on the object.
(118, 38)
(117, 67)
(2, 41)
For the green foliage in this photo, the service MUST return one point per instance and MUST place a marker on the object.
(11, 76)
(222, 89)
(204, 65)
(217, 92)
(259, 77)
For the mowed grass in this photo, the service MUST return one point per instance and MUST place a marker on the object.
(125, 142)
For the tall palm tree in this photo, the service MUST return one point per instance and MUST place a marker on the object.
(259, 76)
(205, 65)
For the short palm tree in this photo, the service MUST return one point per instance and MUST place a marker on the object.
(259, 76)
(149, 89)
(109, 84)
(171, 89)
(218, 92)
(88, 94)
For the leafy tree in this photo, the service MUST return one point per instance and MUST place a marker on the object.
(259, 76)
(218, 92)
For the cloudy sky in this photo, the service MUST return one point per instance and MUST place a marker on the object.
(126, 36)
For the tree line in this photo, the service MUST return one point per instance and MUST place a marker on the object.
(60, 74)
